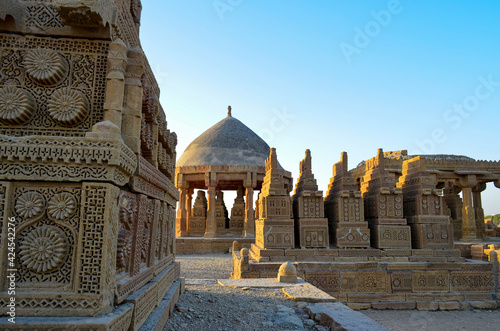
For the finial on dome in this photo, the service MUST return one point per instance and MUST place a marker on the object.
(229, 111)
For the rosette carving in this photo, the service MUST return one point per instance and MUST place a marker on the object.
(68, 106)
(45, 66)
(43, 249)
(61, 206)
(17, 106)
(30, 205)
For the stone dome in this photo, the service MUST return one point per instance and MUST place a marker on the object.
(227, 143)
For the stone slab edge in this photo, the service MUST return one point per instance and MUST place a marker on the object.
(67, 323)
(257, 282)
(338, 316)
(160, 315)
(307, 293)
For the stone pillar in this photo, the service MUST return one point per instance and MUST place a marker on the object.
(189, 204)
(181, 222)
(115, 82)
(211, 184)
(249, 226)
(478, 209)
(131, 120)
(211, 230)
(250, 183)
(468, 212)
(455, 205)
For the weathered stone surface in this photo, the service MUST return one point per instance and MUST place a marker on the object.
(337, 316)
(431, 281)
(483, 304)
(405, 305)
(86, 166)
(427, 305)
(449, 305)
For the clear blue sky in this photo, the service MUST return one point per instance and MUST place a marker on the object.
(333, 76)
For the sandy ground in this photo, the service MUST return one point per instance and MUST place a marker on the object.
(220, 308)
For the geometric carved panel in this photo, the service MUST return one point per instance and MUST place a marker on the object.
(431, 281)
(364, 282)
(71, 69)
(401, 282)
(327, 281)
(469, 281)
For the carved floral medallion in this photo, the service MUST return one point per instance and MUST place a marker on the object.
(17, 106)
(30, 205)
(68, 106)
(45, 66)
(61, 206)
(43, 249)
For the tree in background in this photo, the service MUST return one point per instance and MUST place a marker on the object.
(495, 219)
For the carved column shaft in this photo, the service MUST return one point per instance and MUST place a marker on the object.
(468, 216)
(478, 209)
(189, 205)
(249, 226)
(468, 213)
(115, 82)
(131, 120)
(211, 229)
(181, 222)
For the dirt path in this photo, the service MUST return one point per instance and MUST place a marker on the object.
(209, 306)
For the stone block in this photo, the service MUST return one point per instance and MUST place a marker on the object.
(447, 252)
(391, 236)
(364, 282)
(407, 266)
(419, 297)
(484, 304)
(443, 266)
(352, 237)
(433, 236)
(403, 305)
(337, 316)
(327, 281)
(430, 281)
(449, 297)
(427, 305)
(359, 305)
(478, 296)
(359, 252)
(449, 305)
(313, 233)
(367, 266)
(404, 252)
(401, 282)
(469, 281)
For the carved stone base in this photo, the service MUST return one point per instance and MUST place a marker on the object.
(274, 233)
(434, 236)
(391, 236)
(157, 300)
(197, 226)
(352, 237)
(313, 233)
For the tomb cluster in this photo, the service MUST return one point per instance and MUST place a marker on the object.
(390, 232)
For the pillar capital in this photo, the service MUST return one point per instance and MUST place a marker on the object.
(467, 181)
(180, 182)
(211, 179)
(251, 180)
(480, 187)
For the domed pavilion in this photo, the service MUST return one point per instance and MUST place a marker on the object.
(229, 156)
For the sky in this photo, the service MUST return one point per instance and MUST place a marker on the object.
(333, 76)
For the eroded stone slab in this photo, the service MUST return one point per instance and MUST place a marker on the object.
(338, 316)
